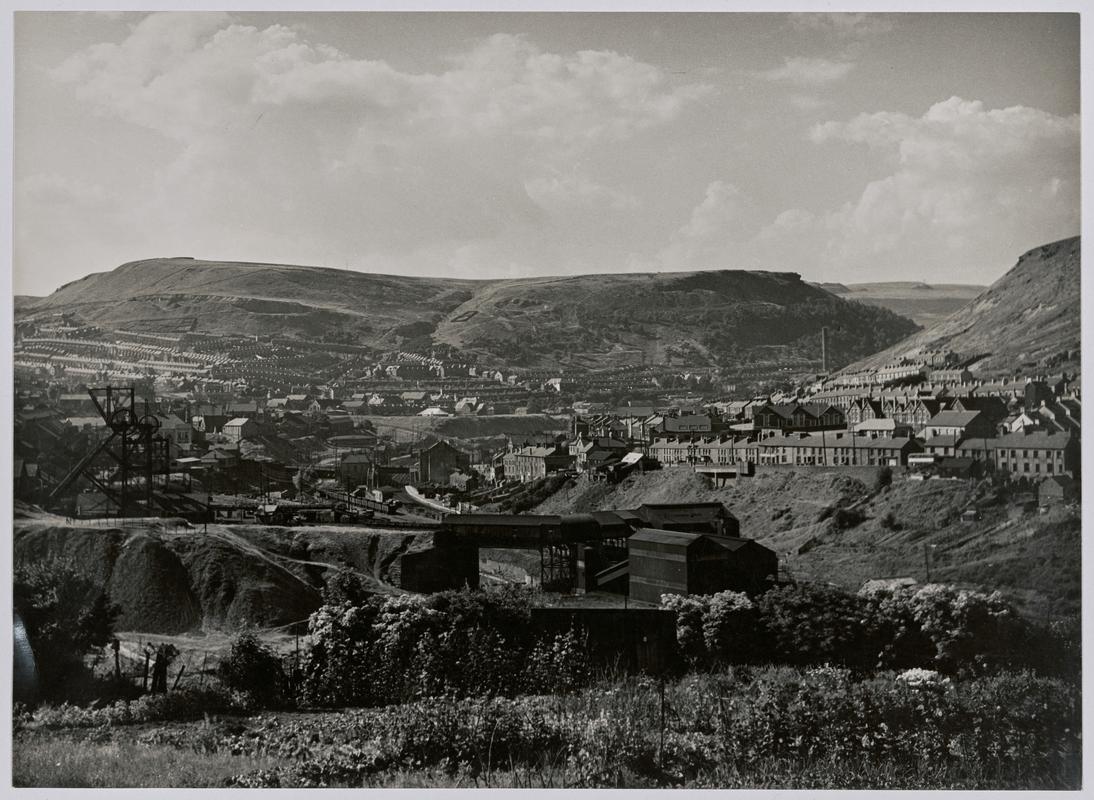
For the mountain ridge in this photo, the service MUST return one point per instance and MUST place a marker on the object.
(700, 317)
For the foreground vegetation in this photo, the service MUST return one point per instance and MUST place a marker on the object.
(800, 687)
(740, 727)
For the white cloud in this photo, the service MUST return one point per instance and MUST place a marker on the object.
(710, 237)
(304, 141)
(964, 183)
(800, 71)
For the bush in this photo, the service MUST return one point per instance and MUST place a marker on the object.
(889, 522)
(934, 627)
(884, 478)
(845, 518)
(398, 648)
(177, 706)
(254, 669)
(66, 616)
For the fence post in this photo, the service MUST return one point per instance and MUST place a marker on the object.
(178, 678)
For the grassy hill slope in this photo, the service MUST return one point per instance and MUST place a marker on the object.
(713, 317)
(905, 529)
(1029, 317)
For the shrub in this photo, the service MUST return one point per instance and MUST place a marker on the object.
(807, 624)
(845, 518)
(398, 648)
(255, 669)
(951, 629)
(884, 478)
(731, 628)
(66, 616)
(889, 522)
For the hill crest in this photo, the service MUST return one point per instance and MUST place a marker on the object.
(703, 317)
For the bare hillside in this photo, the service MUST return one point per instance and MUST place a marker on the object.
(170, 579)
(904, 530)
(710, 317)
(1028, 318)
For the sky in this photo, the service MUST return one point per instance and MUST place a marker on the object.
(845, 147)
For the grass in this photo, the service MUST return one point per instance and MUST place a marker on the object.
(768, 728)
(57, 761)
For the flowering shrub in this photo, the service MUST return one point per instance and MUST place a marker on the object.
(931, 627)
(922, 677)
(730, 629)
(396, 649)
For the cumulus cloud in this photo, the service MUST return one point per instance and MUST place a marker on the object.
(963, 182)
(271, 126)
(809, 71)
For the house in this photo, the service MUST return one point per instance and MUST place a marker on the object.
(788, 417)
(220, 458)
(437, 462)
(863, 409)
(1057, 490)
(239, 429)
(593, 453)
(962, 468)
(433, 411)
(915, 412)
(959, 424)
(952, 375)
(976, 449)
(244, 408)
(993, 408)
(836, 449)
(887, 428)
(177, 432)
(354, 470)
(689, 423)
(530, 463)
(1037, 454)
(943, 444)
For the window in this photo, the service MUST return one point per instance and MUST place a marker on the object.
(1048, 467)
(1037, 467)
(1025, 466)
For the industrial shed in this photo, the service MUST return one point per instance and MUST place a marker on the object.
(676, 562)
(690, 517)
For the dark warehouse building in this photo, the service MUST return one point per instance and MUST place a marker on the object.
(676, 562)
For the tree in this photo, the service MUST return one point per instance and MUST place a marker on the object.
(254, 668)
(66, 616)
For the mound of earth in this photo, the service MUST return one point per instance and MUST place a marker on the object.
(177, 581)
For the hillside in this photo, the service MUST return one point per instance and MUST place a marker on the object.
(172, 580)
(1034, 559)
(925, 304)
(1029, 318)
(715, 317)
